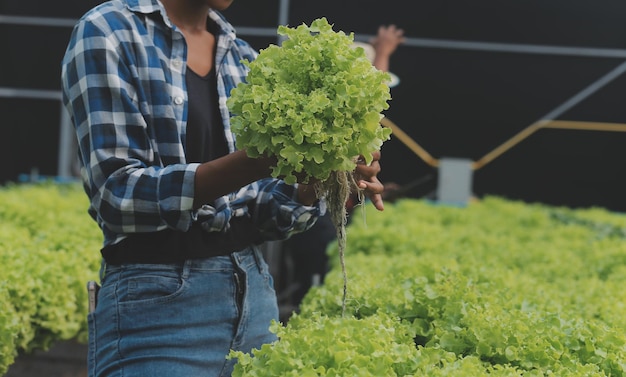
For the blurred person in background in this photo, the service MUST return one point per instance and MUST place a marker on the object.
(181, 210)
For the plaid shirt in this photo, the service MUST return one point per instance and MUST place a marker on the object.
(123, 78)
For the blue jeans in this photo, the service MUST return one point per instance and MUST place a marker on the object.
(180, 319)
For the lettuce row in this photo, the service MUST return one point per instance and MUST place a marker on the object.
(498, 288)
(49, 249)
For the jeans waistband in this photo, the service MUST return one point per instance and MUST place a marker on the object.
(242, 259)
(172, 246)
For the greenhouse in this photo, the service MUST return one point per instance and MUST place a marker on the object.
(501, 248)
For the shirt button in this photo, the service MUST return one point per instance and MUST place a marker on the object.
(177, 63)
(178, 100)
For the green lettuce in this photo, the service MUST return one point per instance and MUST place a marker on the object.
(314, 102)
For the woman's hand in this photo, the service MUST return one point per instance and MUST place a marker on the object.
(365, 177)
(367, 180)
(307, 193)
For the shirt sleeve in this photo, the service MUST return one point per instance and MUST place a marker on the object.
(272, 206)
(130, 190)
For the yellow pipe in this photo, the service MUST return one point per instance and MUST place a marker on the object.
(510, 143)
(591, 126)
(410, 143)
(496, 152)
(560, 124)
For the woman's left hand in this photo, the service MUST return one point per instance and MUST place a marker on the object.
(367, 180)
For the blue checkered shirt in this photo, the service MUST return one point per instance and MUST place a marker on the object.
(123, 79)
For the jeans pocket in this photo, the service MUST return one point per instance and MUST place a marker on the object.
(150, 287)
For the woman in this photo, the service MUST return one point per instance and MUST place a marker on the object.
(181, 210)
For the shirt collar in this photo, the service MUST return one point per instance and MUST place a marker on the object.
(152, 6)
(144, 6)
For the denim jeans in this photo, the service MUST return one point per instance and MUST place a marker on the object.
(168, 320)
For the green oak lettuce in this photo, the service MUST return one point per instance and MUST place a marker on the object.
(314, 102)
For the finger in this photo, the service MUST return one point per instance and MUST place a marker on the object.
(377, 201)
(374, 191)
(366, 171)
(373, 186)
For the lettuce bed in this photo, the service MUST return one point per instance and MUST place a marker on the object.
(499, 288)
(49, 249)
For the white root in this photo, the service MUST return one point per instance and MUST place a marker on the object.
(336, 189)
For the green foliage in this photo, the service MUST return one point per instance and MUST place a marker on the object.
(9, 328)
(497, 288)
(48, 251)
(313, 102)
(375, 346)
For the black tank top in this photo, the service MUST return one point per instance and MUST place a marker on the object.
(205, 132)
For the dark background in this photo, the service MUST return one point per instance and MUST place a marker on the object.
(453, 102)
